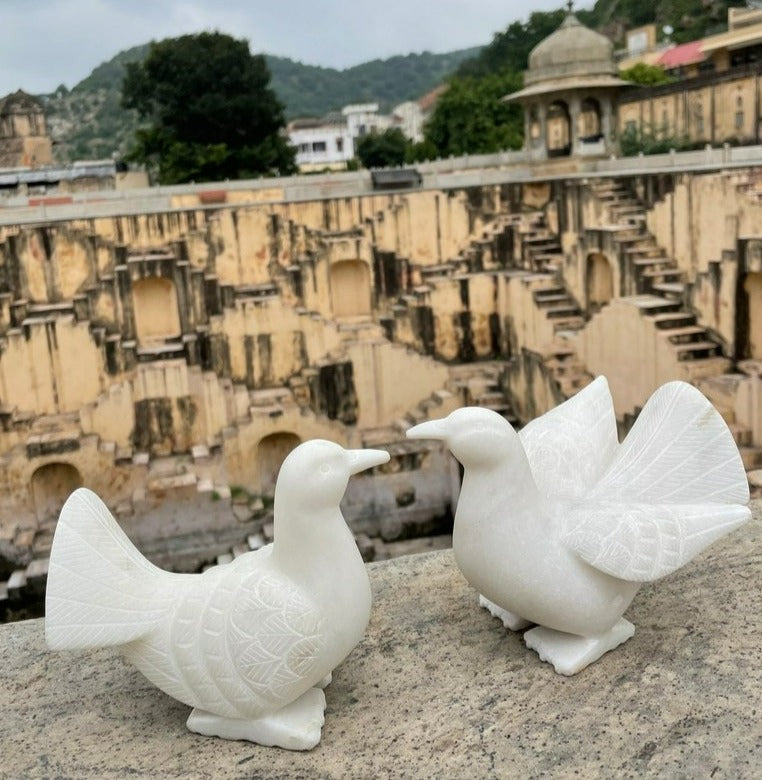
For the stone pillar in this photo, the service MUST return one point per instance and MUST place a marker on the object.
(527, 127)
(574, 112)
(606, 117)
(542, 116)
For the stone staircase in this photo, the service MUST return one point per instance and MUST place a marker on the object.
(540, 249)
(724, 391)
(651, 277)
(646, 267)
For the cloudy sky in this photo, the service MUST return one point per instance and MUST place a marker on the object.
(44, 43)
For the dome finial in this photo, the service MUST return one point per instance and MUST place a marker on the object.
(570, 6)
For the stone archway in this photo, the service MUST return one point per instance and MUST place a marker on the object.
(752, 285)
(599, 281)
(350, 289)
(156, 313)
(558, 134)
(271, 452)
(51, 485)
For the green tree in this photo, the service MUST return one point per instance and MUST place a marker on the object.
(650, 140)
(509, 50)
(211, 112)
(470, 117)
(647, 75)
(382, 150)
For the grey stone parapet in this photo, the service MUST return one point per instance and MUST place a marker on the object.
(438, 688)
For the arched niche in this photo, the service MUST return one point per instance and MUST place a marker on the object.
(599, 280)
(156, 314)
(558, 135)
(589, 122)
(271, 452)
(752, 285)
(350, 289)
(51, 485)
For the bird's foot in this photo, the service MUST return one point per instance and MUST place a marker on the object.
(511, 621)
(296, 726)
(569, 653)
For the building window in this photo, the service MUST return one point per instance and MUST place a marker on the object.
(339, 144)
(699, 116)
(630, 126)
(318, 146)
(304, 147)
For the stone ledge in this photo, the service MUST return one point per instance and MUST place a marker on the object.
(438, 688)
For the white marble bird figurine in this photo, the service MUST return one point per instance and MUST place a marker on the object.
(250, 644)
(559, 524)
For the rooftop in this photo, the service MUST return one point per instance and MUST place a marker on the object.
(438, 688)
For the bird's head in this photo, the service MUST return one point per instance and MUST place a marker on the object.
(476, 436)
(316, 472)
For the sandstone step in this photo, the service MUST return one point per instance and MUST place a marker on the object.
(565, 327)
(751, 457)
(562, 311)
(662, 273)
(741, 434)
(652, 261)
(685, 334)
(696, 349)
(549, 300)
(670, 288)
(673, 319)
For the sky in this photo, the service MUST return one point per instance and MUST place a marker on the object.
(44, 43)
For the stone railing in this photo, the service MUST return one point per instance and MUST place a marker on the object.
(450, 173)
(437, 688)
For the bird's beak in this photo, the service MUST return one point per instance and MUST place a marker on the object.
(431, 429)
(359, 460)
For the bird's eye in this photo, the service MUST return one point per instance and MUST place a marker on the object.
(325, 468)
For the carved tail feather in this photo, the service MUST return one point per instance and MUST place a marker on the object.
(679, 451)
(101, 591)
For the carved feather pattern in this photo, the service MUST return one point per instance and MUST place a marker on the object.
(642, 542)
(569, 447)
(275, 636)
(676, 484)
(678, 451)
(101, 591)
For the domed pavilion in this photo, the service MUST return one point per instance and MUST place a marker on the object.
(569, 93)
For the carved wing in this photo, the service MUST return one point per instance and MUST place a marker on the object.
(572, 445)
(642, 542)
(275, 636)
(679, 451)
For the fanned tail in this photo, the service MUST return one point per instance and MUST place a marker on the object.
(679, 451)
(101, 591)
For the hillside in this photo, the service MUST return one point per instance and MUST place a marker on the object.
(89, 122)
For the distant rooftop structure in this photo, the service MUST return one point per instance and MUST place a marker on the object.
(24, 137)
(57, 180)
(569, 91)
(738, 45)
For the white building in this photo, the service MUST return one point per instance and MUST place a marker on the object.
(363, 118)
(409, 118)
(320, 144)
(329, 143)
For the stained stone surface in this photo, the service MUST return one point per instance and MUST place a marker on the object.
(439, 688)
